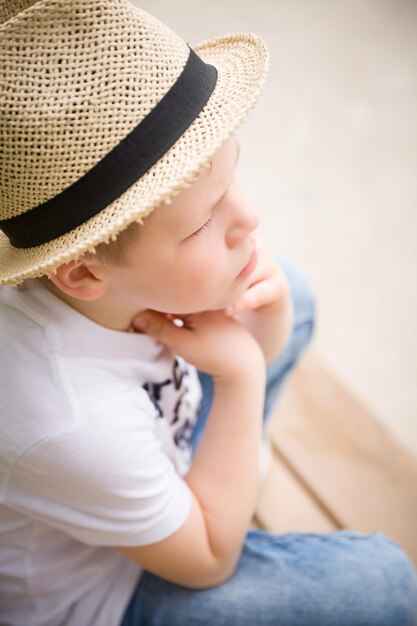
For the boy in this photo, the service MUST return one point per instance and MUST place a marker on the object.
(138, 265)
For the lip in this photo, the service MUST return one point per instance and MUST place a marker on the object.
(250, 266)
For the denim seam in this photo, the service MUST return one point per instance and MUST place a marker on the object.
(302, 318)
(284, 537)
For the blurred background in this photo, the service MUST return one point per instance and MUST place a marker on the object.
(329, 158)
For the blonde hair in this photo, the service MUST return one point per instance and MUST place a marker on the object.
(114, 252)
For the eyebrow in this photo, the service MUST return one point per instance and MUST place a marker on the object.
(225, 192)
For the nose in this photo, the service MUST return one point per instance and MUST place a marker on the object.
(243, 218)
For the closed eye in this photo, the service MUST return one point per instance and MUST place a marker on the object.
(197, 232)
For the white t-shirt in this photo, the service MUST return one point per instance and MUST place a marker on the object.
(94, 430)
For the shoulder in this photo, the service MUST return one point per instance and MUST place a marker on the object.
(105, 482)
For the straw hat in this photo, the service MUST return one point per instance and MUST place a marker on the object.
(105, 113)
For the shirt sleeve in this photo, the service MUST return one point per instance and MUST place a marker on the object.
(104, 482)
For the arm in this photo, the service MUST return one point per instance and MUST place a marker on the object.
(266, 307)
(223, 478)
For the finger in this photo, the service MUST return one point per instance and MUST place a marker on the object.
(158, 326)
(261, 294)
(179, 320)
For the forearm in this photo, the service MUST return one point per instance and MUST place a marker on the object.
(224, 472)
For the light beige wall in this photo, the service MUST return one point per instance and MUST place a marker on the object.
(330, 159)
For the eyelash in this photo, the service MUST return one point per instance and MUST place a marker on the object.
(197, 232)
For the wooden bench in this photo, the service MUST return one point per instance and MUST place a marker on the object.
(334, 466)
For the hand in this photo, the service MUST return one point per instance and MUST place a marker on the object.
(215, 344)
(266, 307)
(268, 288)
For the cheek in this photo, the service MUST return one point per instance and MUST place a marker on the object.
(202, 277)
(199, 274)
(197, 278)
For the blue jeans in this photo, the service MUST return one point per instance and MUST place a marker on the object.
(342, 578)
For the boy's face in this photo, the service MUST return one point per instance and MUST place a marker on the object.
(189, 255)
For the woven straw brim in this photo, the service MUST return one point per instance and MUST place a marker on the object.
(242, 61)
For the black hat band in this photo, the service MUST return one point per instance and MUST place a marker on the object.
(124, 165)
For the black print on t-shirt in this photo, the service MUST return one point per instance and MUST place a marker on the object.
(178, 374)
(170, 398)
(154, 391)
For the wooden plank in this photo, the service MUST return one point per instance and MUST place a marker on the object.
(285, 505)
(359, 473)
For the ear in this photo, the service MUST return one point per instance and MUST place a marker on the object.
(80, 281)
